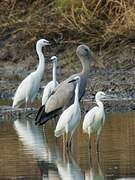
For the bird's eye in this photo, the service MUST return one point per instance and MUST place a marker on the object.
(86, 50)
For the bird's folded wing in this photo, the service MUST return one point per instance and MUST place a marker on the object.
(64, 121)
(90, 117)
(62, 96)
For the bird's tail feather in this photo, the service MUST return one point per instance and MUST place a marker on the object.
(17, 104)
(59, 132)
(42, 117)
(39, 115)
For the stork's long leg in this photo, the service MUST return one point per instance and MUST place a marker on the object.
(89, 142)
(66, 141)
(26, 106)
(63, 137)
(71, 136)
(97, 143)
(90, 158)
(31, 102)
(64, 146)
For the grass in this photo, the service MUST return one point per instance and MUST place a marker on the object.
(103, 21)
(102, 24)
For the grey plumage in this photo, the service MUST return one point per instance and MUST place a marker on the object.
(63, 95)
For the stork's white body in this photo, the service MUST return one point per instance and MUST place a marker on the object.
(48, 91)
(95, 118)
(27, 90)
(29, 87)
(71, 117)
(68, 121)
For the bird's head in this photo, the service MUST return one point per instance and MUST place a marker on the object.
(53, 59)
(42, 43)
(75, 79)
(100, 95)
(84, 52)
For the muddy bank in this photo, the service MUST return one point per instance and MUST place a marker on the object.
(104, 76)
(111, 105)
(116, 75)
(23, 23)
(119, 83)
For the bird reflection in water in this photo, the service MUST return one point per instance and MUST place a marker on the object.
(95, 173)
(49, 157)
(69, 170)
(36, 144)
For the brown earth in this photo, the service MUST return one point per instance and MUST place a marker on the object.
(113, 72)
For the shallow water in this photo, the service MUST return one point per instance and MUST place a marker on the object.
(31, 152)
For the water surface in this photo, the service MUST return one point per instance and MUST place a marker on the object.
(31, 152)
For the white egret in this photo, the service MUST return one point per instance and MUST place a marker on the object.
(52, 84)
(70, 118)
(95, 118)
(29, 87)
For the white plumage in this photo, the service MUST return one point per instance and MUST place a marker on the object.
(94, 119)
(32, 138)
(52, 84)
(70, 118)
(29, 87)
(69, 170)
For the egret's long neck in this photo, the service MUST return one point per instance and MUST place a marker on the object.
(85, 66)
(54, 72)
(99, 103)
(41, 66)
(76, 99)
